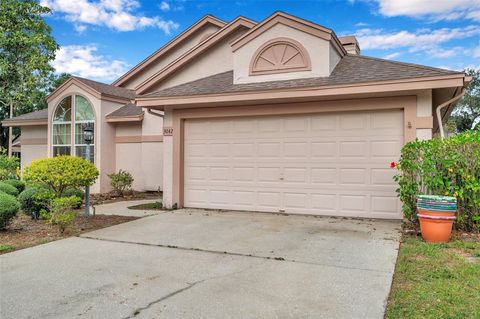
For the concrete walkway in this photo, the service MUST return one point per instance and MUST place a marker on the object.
(198, 264)
(121, 208)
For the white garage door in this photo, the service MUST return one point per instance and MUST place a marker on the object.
(324, 164)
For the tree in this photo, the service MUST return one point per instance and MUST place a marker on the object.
(26, 49)
(466, 115)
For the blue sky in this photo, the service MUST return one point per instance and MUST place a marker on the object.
(102, 39)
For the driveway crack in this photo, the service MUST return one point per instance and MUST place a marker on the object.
(189, 286)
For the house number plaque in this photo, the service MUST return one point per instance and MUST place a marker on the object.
(167, 131)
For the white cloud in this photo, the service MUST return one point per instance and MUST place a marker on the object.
(80, 28)
(476, 52)
(82, 60)
(431, 9)
(392, 55)
(164, 6)
(445, 53)
(423, 39)
(115, 14)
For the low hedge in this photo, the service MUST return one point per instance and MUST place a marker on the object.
(9, 189)
(9, 207)
(18, 184)
(442, 167)
(35, 200)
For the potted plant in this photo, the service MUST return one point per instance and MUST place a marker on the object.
(436, 215)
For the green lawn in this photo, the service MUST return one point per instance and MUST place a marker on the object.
(436, 280)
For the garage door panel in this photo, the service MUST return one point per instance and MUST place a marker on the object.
(333, 164)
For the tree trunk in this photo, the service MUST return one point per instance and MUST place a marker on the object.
(10, 133)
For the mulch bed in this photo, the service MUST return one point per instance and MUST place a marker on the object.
(25, 232)
(104, 198)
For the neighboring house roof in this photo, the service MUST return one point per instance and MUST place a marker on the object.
(351, 69)
(32, 118)
(127, 113)
(206, 20)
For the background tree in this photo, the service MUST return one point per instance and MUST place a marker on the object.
(26, 48)
(466, 115)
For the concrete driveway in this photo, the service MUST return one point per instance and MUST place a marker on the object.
(197, 264)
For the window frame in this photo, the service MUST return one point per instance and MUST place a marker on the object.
(73, 122)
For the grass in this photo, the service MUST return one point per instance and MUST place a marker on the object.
(436, 280)
(6, 248)
(149, 206)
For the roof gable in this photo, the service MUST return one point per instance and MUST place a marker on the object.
(200, 24)
(97, 89)
(294, 22)
(211, 41)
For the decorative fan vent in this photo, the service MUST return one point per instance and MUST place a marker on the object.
(280, 55)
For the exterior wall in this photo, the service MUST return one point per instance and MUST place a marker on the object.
(106, 145)
(424, 109)
(334, 58)
(173, 146)
(216, 60)
(139, 150)
(129, 155)
(168, 162)
(180, 49)
(34, 144)
(318, 50)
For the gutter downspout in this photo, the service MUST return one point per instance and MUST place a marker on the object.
(149, 110)
(441, 106)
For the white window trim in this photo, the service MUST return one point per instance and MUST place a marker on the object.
(72, 124)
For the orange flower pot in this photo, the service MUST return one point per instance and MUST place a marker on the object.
(436, 226)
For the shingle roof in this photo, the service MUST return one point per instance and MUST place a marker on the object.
(126, 111)
(32, 116)
(351, 69)
(108, 89)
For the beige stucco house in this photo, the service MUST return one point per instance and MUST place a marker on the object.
(276, 116)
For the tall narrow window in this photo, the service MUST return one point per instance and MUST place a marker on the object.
(62, 128)
(72, 114)
(83, 116)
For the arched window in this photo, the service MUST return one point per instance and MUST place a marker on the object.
(278, 56)
(72, 114)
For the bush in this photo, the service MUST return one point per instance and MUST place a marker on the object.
(35, 199)
(61, 172)
(62, 213)
(9, 167)
(8, 209)
(76, 193)
(121, 181)
(9, 189)
(18, 184)
(443, 167)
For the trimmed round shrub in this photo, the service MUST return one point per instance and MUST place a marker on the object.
(9, 207)
(35, 199)
(9, 189)
(61, 172)
(18, 184)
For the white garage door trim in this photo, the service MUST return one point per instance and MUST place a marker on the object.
(325, 164)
